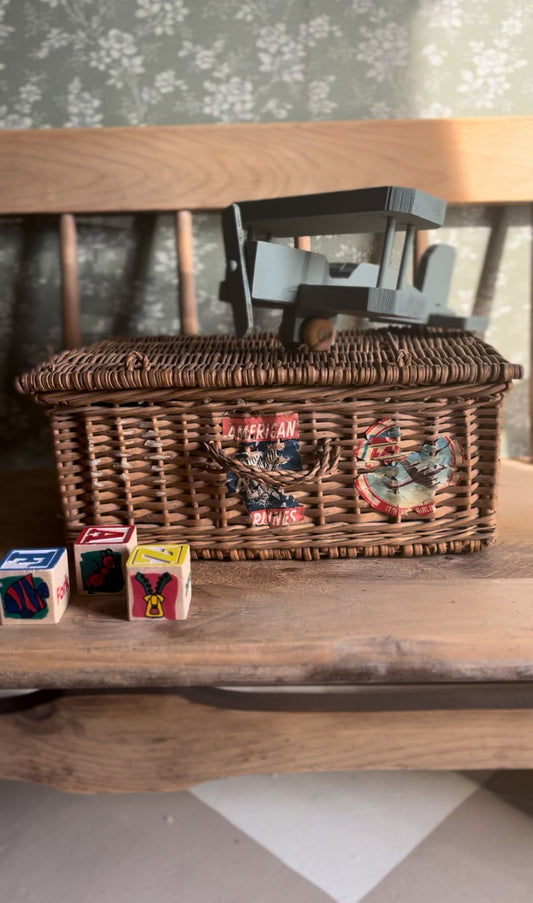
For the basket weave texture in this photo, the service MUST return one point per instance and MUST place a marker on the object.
(138, 434)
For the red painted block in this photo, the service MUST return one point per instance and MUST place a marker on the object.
(100, 555)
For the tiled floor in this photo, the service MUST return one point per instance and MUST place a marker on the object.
(377, 837)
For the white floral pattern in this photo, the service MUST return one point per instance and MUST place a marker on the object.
(488, 80)
(157, 61)
(83, 63)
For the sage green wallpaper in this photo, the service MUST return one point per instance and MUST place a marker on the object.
(85, 63)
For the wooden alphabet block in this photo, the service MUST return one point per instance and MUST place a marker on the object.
(34, 586)
(100, 555)
(159, 582)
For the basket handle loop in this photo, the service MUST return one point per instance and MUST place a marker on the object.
(325, 464)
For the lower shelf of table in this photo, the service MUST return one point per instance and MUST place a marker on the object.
(110, 742)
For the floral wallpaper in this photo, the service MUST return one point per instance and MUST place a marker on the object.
(86, 63)
(83, 63)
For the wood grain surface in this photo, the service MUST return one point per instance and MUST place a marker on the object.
(201, 167)
(441, 618)
(95, 744)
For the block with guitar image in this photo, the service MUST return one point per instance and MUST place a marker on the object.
(158, 581)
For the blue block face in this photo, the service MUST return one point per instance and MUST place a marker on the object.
(31, 559)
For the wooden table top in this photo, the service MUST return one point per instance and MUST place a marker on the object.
(374, 621)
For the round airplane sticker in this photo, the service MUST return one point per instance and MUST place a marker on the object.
(400, 482)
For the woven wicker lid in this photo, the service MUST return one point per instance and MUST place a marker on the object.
(399, 356)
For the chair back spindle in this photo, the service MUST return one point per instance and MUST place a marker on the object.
(188, 307)
(70, 294)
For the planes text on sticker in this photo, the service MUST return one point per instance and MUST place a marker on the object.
(276, 517)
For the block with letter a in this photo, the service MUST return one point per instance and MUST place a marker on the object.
(34, 586)
(100, 555)
(159, 582)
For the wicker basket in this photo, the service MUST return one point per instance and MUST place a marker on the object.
(387, 444)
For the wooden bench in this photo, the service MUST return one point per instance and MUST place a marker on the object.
(428, 663)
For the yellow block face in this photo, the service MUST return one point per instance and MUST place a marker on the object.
(158, 555)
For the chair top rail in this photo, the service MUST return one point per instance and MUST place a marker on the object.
(207, 167)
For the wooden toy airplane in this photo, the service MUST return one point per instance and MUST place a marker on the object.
(310, 290)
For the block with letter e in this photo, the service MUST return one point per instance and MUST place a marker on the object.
(34, 586)
(159, 582)
(100, 555)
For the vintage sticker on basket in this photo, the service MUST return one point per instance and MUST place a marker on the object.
(398, 482)
(267, 442)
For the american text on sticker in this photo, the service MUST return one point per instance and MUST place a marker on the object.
(263, 428)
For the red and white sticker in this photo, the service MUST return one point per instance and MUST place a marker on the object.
(267, 428)
(277, 517)
(269, 442)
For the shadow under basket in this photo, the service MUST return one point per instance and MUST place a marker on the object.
(386, 444)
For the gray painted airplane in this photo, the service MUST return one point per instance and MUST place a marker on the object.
(310, 290)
